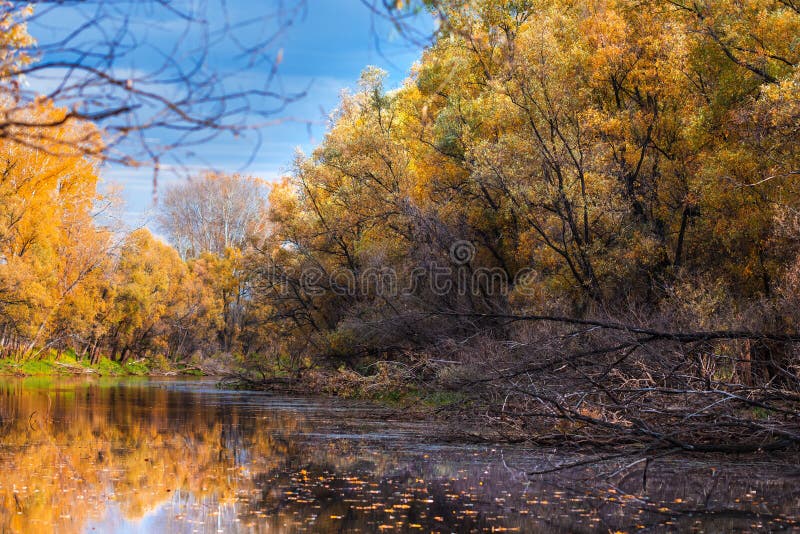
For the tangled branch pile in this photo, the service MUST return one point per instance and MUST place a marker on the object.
(604, 384)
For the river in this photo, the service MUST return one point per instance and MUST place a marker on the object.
(152, 455)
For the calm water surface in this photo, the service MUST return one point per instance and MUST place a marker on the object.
(182, 456)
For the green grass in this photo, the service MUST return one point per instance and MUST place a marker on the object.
(49, 366)
(108, 367)
(38, 367)
(137, 368)
(190, 372)
(393, 396)
(760, 413)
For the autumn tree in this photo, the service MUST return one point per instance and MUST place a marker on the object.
(611, 150)
(53, 253)
(226, 282)
(215, 221)
(150, 294)
(213, 213)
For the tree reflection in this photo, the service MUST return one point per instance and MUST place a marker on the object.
(68, 451)
(82, 455)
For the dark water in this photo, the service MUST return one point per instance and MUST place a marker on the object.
(182, 456)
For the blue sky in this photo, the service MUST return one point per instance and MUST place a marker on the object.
(323, 52)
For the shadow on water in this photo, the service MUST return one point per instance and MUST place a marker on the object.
(182, 456)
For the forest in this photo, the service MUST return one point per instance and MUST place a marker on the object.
(575, 222)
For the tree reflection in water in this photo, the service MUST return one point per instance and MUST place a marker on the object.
(178, 456)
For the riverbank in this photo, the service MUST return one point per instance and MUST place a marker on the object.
(67, 365)
(541, 402)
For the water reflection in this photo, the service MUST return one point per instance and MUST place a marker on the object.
(178, 456)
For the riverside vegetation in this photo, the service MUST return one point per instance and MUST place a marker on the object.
(575, 223)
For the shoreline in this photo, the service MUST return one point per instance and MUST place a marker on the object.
(69, 366)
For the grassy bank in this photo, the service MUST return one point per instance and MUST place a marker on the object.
(66, 364)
